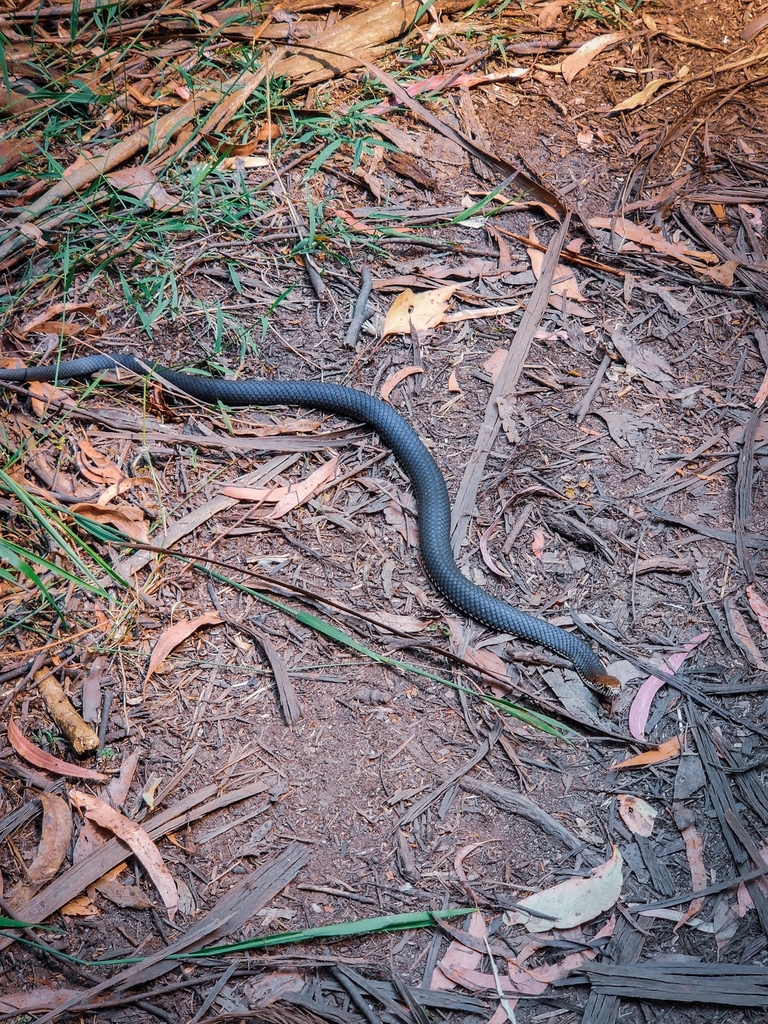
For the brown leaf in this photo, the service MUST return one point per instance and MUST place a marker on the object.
(142, 183)
(41, 759)
(138, 840)
(417, 311)
(391, 383)
(577, 61)
(80, 906)
(95, 466)
(739, 630)
(171, 637)
(13, 152)
(128, 519)
(54, 840)
(623, 228)
(37, 999)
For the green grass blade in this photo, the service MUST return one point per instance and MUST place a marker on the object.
(533, 718)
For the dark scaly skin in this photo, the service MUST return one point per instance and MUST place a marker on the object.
(427, 480)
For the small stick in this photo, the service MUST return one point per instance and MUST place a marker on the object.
(360, 313)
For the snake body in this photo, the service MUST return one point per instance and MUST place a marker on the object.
(434, 509)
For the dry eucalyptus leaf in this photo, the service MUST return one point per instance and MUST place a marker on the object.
(417, 311)
(574, 901)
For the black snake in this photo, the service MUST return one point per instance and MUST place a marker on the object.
(432, 500)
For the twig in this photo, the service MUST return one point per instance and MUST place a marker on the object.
(360, 314)
(581, 408)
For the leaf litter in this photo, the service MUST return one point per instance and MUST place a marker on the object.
(215, 212)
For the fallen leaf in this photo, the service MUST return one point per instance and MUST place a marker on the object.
(42, 394)
(639, 99)
(417, 311)
(458, 956)
(637, 814)
(142, 183)
(579, 59)
(739, 630)
(391, 383)
(641, 705)
(125, 896)
(723, 273)
(138, 840)
(539, 545)
(758, 606)
(41, 759)
(54, 315)
(623, 228)
(305, 489)
(694, 852)
(128, 519)
(549, 14)
(55, 838)
(95, 466)
(171, 637)
(574, 901)
(80, 906)
(664, 752)
(495, 362)
(286, 498)
(453, 384)
(37, 999)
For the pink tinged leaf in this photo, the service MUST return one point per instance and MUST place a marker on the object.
(758, 606)
(641, 705)
(41, 759)
(170, 638)
(305, 489)
(539, 544)
(459, 957)
(138, 840)
(694, 852)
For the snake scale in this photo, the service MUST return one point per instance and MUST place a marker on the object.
(434, 509)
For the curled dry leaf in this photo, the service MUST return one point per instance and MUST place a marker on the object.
(55, 838)
(577, 61)
(417, 311)
(574, 901)
(639, 99)
(55, 315)
(95, 466)
(42, 394)
(128, 519)
(391, 383)
(637, 814)
(170, 638)
(138, 840)
(41, 759)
